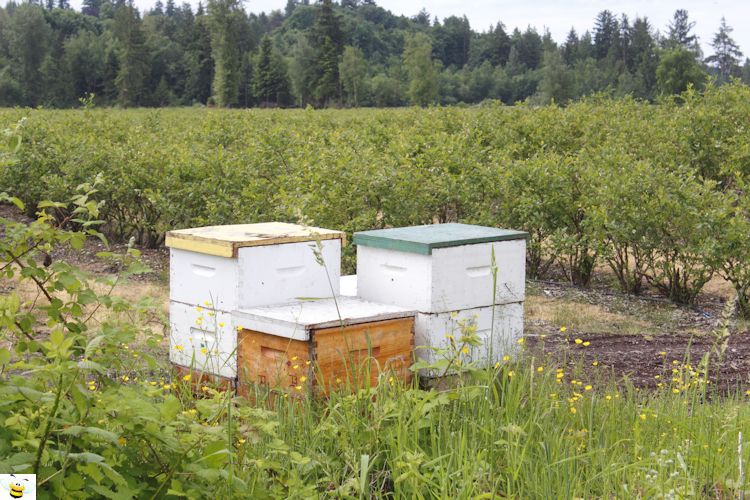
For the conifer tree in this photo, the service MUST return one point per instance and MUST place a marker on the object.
(727, 54)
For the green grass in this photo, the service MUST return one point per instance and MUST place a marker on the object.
(514, 431)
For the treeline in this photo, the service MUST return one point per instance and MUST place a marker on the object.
(351, 53)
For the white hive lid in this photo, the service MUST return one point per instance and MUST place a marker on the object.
(224, 241)
(296, 320)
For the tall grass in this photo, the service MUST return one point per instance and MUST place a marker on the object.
(526, 429)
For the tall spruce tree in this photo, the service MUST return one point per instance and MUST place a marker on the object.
(727, 54)
(328, 41)
(270, 81)
(679, 32)
(225, 18)
(132, 56)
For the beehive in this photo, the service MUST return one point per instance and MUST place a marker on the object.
(216, 270)
(444, 272)
(323, 343)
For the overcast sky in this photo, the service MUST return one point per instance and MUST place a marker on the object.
(560, 16)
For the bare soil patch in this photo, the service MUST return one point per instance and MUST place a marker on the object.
(648, 361)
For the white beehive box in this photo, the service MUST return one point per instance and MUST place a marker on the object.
(441, 268)
(203, 339)
(248, 265)
(433, 334)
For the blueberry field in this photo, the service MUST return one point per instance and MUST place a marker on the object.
(637, 214)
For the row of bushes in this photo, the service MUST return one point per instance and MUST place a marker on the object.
(657, 192)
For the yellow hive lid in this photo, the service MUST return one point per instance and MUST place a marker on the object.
(224, 241)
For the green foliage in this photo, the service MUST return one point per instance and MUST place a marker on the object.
(677, 71)
(655, 195)
(423, 71)
(87, 404)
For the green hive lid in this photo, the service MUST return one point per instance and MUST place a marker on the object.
(423, 239)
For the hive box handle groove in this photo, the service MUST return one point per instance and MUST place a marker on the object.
(269, 352)
(366, 352)
(291, 271)
(205, 271)
(393, 269)
(478, 272)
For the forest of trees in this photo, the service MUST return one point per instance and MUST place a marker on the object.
(351, 53)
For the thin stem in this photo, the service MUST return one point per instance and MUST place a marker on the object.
(48, 425)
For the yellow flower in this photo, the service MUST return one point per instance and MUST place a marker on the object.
(204, 388)
(586, 344)
(204, 351)
(465, 350)
(302, 378)
(199, 309)
(178, 347)
(563, 329)
(747, 393)
(206, 303)
(663, 353)
(506, 358)
(295, 358)
(298, 387)
(125, 378)
(122, 441)
(166, 387)
(521, 340)
(579, 341)
(390, 380)
(295, 367)
(588, 388)
(307, 363)
(675, 362)
(152, 383)
(511, 373)
(573, 410)
(497, 365)
(338, 380)
(242, 441)
(608, 397)
(595, 363)
(221, 325)
(642, 416)
(540, 369)
(187, 378)
(560, 375)
(676, 390)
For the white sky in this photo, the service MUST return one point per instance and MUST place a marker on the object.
(559, 15)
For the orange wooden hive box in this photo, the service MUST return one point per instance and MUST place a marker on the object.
(322, 344)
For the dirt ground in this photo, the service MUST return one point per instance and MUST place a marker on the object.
(639, 338)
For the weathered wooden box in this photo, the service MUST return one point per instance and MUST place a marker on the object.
(323, 344)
